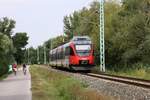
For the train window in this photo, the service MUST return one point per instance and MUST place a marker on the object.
(51, 57)
(83, 47)
(55, 55)
(83, 50)
(67, 51)
(61, 55)
(58, 55)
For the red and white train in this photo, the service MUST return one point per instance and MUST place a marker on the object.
(78, 54)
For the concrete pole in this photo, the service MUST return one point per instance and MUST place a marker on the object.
(44, 54)
(102, 42)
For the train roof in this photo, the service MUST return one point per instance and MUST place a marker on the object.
(76, 40)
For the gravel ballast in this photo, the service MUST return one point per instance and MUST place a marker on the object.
(118, 90)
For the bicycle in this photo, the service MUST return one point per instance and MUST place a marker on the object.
(15, 71)
(24, 71)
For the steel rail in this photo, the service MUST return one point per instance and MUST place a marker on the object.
(127, 80)
(125, 77)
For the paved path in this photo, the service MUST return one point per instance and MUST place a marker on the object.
(16, 87)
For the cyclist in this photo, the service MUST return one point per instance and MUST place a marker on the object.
(14, 67)
(24, 69)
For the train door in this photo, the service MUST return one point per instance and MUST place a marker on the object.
(67, 55)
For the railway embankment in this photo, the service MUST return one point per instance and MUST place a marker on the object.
(121, 91)
(50, 84)
(141, 73)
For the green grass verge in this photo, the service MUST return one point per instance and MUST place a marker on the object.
(136, 73)
(142, 73)
(48, 85)
(4, 76)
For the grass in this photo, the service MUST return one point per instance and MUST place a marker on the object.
(142, 73)
(48, 85)
(136, 73)
(3, 77)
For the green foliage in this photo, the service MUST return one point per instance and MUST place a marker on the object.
(51, 85)
(131, 33)
(10, 46)
(6, 44)
(6, 26)
(57, 41)
(41, 54)
(142, 73)
(50, 44)
(127, 30)
(32, 54)
(6, 50)
(20, 41)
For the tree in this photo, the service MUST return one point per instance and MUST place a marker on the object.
(6, 51)
(7, 26)
(6, 44)
(20, 40)
(10, 46)
(130, 29)
(30, 55)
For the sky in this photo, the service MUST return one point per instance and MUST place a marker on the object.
(41, 19)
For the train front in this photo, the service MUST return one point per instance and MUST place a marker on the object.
(82, 53)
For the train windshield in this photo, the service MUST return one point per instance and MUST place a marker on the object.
(83, 50)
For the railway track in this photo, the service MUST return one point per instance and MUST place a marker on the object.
(127, 80)
(130, 89)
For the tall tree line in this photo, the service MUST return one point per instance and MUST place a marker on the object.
(31, 55)
(11, 46)
(127, 30)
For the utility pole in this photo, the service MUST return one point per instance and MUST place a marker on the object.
(28, 55)
(50, 50)
(44, 54)
(102, 43)
(38, 55)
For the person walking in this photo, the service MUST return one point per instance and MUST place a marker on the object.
(24, 69)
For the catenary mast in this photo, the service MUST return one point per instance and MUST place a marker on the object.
(102, 42)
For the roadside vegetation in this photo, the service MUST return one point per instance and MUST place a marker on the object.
(48, 85)
(3, 76)
(12, 45)
(141, 73)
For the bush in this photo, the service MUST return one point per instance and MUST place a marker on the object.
(3, 67)
(6, 51)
